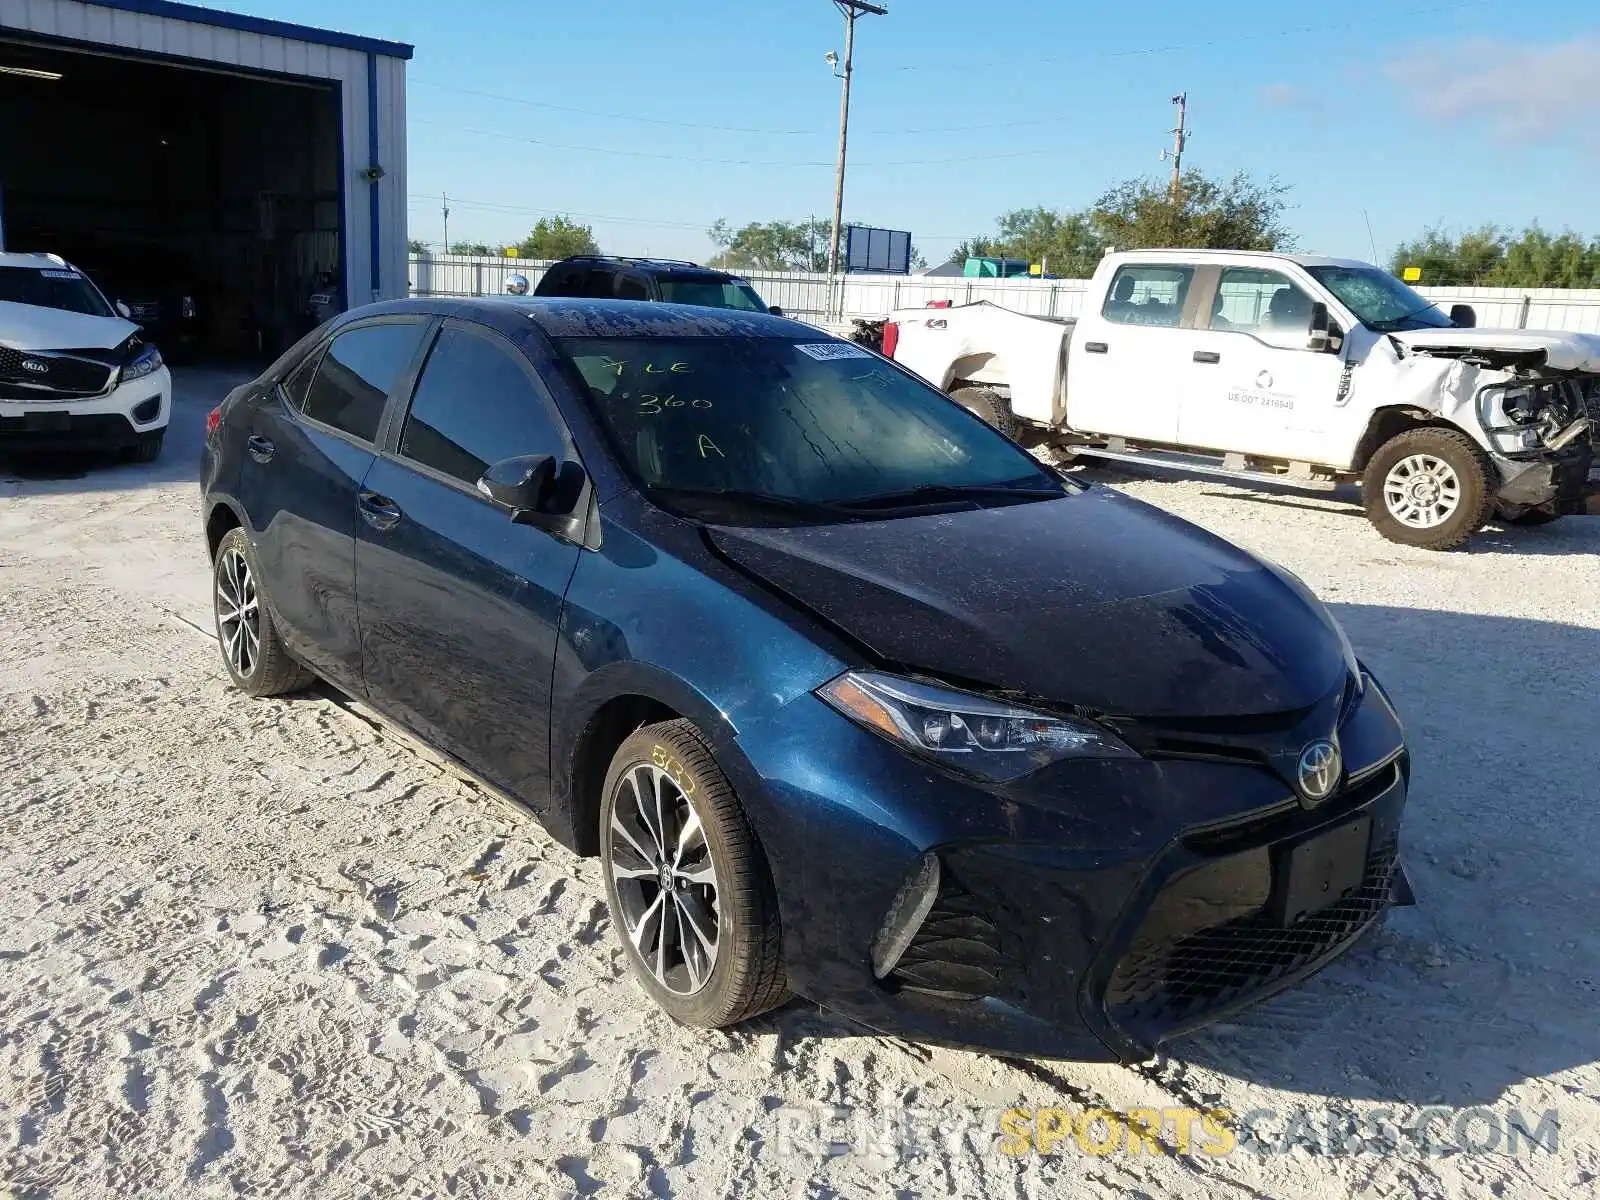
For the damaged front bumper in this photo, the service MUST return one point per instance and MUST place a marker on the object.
(1560, 480)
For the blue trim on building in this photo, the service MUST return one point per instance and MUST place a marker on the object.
(259, 25)
(372, 161)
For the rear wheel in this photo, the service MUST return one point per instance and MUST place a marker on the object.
(255, 657)
(690, 895)
(1429, 488)
(989, 407)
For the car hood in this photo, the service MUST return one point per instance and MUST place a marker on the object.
(1094, 600)
(33, 327)
(1562, 351)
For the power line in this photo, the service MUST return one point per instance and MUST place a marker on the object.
(737, 162)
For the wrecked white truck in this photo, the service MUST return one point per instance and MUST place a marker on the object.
(1303, 371)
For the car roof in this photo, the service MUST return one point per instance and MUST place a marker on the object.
(1178, 257)
(672, 266)
(563, 316)
(40, 261)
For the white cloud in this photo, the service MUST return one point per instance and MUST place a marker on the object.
(1287, 95)
(1522, 91)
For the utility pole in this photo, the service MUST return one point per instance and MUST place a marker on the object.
(1180, 138)
(446, 200)
(851, 10)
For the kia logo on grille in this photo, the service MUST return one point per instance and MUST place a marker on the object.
(34, 365)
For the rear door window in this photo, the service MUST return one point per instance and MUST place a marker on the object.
(1148, 294)
(357, 373)
(475, 404)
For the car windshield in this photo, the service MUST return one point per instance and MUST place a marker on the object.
(1379, 300)
(773, 431)
(52, 287)
(710, 293)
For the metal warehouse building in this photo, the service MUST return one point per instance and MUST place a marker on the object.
(247, 163)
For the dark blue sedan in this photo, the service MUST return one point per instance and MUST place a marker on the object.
(853, 697)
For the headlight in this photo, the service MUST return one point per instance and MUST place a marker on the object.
(996, 740)
(146, 362)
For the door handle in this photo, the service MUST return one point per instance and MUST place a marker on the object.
(378, 511)
(261, 449)
(1207, 356)
(1095, 347)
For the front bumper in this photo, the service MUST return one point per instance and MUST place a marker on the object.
(119, 418)
(1560, 480)
(1091, 914)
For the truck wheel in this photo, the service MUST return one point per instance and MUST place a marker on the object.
(990, 408)
(1516, 514)
(1429, 488)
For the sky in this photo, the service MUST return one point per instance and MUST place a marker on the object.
(650, 120)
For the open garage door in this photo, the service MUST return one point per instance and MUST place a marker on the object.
(206, 200)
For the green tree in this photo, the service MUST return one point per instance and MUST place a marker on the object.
(558, 237)
(481, 249)
(978, 247)
(416, 246)
(1231, 214)
(1493, 257)
(772, 245)
(1063, 243)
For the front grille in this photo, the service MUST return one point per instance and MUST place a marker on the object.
(66, 377)
(1160, 986)
(956, 954)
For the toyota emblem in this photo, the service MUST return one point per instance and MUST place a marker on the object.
(1319, 769)
(34, 365)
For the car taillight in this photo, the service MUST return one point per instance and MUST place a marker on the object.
(891, 339)
(213, 419)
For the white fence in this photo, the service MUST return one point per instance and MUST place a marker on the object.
(817, 298)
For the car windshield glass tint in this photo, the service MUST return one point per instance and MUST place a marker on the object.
(820, 423)
(50, 287)
(710, 293)
(1379, 300)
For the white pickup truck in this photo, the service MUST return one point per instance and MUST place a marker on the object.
(1304, 371)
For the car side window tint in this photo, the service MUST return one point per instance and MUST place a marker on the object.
(1264, 303)
(598, 286)
(1148, 294)
(629, 288)
(298, 384)
(357, 373)
(474, 406)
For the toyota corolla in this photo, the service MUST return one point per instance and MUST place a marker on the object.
(852, 696)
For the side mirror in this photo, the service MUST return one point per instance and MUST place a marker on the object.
(1318, 341)
(538, 491)
(124, 311)
(1463, 316)
(775, 311)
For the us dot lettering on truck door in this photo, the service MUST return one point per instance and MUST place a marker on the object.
(828, 351)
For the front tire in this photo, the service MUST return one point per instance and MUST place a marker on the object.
(147, 449)
(1430, 488)
(253, 652)
(691, 898)
(989, 407)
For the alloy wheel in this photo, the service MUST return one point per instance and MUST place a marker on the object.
(238, 613)
(666, 881)
(1422, 491)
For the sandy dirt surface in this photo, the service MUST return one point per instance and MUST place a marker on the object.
(266, 948)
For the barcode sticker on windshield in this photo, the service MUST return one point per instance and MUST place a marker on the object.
(827, 351)
(61, 275)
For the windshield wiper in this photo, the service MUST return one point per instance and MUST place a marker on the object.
(935, 493)
(1393, 323)
(753, 499)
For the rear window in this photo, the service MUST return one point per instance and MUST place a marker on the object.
(52, 287)
(710, 293)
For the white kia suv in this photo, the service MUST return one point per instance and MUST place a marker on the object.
(74, 373)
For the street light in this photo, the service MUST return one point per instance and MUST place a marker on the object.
(851, 10)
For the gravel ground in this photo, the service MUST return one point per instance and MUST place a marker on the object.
(266, 948)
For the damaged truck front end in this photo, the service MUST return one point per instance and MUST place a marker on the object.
(1532, 403)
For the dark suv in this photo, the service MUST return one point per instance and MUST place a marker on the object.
(671, 281)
